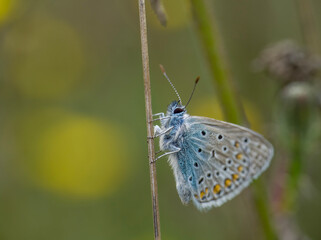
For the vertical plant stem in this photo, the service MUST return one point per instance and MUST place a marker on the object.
(260, 196)
(209, 35)
(310, 33)
(149, 118)
(298, 119)
(210, 39)
(295, 169)
(308, 24)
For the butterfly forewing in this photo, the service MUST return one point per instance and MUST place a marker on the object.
(221, 159)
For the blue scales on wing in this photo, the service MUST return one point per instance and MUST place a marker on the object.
(218, 159)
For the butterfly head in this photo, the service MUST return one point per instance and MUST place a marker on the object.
(176, 109)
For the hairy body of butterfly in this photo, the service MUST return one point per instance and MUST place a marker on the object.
(212, 160)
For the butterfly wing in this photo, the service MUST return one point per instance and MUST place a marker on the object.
(219, 159)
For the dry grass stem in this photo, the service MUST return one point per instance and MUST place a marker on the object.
(149, 118)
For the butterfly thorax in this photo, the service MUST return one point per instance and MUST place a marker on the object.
(175, 121)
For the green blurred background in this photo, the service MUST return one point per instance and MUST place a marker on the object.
(73, 153)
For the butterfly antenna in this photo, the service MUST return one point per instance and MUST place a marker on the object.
(196, 81)
(164, 73)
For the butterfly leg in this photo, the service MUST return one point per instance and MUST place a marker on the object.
(158, 132)
(159, 114)
(165, 154)
(161, 117)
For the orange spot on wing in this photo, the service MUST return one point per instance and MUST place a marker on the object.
(239, 156)
(235, 177)
(228, 182)
(217, 189)
(202, 195)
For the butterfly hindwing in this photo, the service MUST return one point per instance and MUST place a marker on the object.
(220, 159)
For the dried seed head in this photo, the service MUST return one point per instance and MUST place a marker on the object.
(298, 92)
(288, 62)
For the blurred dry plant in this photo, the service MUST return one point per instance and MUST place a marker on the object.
(287, 62)
(159, 10)
(296, 70)
(308, 22)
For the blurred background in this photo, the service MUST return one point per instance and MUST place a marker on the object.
(73, 153)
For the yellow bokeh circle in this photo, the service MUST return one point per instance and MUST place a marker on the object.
(45, 57)
(6, 7)
(75, 155)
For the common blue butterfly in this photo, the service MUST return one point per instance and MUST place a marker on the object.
(212, 160)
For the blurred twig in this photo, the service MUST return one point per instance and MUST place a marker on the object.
(308, 24)
(210, 39)
(310, 33)
(294, 173)
(159, 10)
(260, 197)
(213, 49)
(298, 106)
(149, 118)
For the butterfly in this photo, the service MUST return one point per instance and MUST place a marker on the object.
(212, 160)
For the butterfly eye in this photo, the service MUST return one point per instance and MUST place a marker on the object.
(178, 110)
